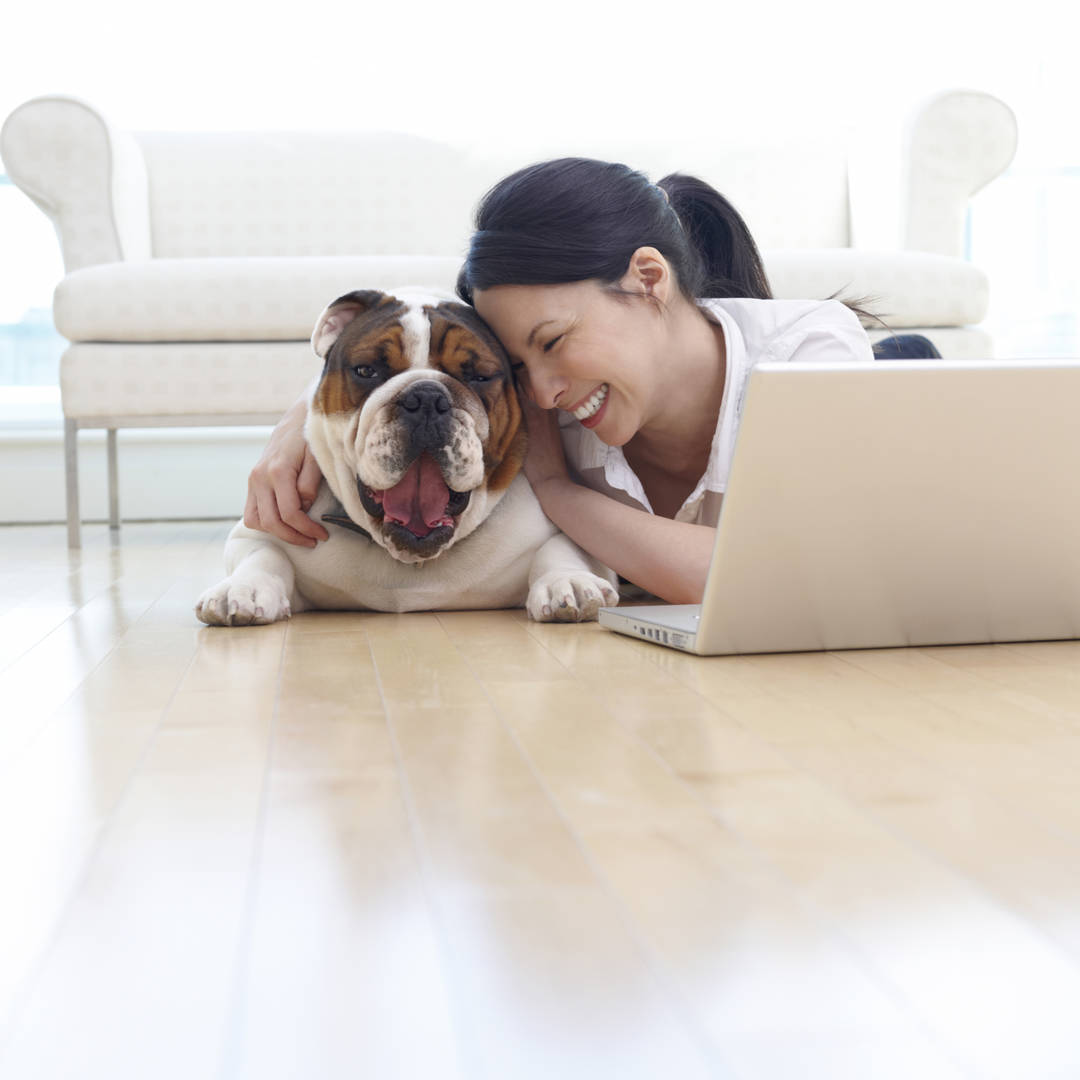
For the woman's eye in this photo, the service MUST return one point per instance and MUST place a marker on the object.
(365, 371)
(551, 344)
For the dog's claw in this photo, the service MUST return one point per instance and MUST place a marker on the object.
(569, 596)
(260, 599)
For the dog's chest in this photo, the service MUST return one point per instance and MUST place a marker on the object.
(487, 569)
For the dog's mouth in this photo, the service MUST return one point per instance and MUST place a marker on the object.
(420, 507)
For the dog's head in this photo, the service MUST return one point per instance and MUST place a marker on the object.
(415, 422)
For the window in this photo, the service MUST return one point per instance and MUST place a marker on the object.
(30, 347)
(1022, 232)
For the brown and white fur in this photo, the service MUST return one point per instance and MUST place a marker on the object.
(417, 428)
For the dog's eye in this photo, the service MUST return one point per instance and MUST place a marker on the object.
(479, 377)
(365, 371)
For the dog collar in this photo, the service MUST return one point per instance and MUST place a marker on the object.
(339, 517)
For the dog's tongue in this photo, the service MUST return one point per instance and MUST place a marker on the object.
(419, 499)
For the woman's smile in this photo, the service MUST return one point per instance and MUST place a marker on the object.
(588, 410)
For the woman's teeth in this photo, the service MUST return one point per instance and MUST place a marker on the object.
(591, 406)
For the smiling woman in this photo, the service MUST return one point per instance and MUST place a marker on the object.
(636, 310)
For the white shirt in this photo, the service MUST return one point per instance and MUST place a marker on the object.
(754, 330)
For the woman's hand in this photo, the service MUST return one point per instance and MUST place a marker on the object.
(545, 459)
(284, 483)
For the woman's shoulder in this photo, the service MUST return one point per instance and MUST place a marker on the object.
(779, 328)
(778, 316)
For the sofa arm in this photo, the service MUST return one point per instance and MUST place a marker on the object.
(955, 144)
(86, 175)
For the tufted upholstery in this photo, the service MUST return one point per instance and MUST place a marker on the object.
(957, 136)
(87, 176)
(196, 260)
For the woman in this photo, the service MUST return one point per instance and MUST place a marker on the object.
(637, 311)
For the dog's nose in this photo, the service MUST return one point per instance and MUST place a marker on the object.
(425, 414)
(426, 399)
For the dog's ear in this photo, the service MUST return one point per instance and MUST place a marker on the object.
(339, 314)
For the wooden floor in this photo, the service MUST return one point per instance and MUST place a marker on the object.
(464, 845)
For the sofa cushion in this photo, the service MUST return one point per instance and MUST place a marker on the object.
(903, 288)
(279, 298)
(271, 298)
(186, 379)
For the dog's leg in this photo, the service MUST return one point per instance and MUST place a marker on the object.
(565, 585)
(257, 591)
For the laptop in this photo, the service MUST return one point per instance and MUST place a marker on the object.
(891, 503)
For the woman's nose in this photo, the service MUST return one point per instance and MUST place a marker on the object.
(547, 389)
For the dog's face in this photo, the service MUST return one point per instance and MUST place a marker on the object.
(415, 422)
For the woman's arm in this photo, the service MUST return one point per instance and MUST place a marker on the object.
(284, 483)
(668, 558)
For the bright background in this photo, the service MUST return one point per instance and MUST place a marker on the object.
(490, 69)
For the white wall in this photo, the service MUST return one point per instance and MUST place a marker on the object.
(163, 473)
(491, 68)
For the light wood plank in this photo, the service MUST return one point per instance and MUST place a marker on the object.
(342, 962)
(514, 896)
(779, 992)
(139, 973)
(928, 929)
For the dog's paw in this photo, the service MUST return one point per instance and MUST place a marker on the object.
(569, 596)
(251, 602)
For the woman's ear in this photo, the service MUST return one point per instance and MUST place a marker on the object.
(648, 274)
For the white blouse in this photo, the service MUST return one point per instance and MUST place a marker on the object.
(754, 330)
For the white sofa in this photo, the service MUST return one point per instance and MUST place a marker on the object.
(196, 264)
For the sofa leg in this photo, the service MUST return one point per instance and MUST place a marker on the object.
(114, 495)
(71, 480)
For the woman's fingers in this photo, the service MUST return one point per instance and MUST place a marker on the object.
(287, 496)
(270, 513)
(284, 483)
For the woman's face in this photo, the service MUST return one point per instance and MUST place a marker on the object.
(578, 348)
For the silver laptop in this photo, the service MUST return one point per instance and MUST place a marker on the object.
(914, 502)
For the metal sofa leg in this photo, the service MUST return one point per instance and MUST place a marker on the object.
(71, 480)
(114, 495)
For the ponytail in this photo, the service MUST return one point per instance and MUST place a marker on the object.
(730, 263)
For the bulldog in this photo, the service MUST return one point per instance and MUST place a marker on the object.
(417, 428)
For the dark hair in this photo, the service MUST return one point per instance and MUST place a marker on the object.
(574, 219)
